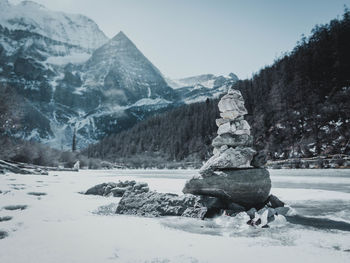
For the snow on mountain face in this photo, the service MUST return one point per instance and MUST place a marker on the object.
(199, 88)
(206, 80)
(69, 28)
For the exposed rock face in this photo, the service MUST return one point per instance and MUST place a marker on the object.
(247, 187)
(118, 189)
(235, 172)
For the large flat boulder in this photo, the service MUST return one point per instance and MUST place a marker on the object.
(246, 187)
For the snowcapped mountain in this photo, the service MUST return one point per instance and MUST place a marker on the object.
(65, 75)
(199, 88)
(209, 81)
(72, 29)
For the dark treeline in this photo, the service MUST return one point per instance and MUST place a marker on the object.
(298, 107)
(165, 140)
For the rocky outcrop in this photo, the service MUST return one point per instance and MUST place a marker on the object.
(118, 189)
(235, 173)
(153, 204)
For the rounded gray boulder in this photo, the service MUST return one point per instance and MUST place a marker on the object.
(247, 187)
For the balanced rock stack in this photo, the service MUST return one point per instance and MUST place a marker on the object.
(235, 172)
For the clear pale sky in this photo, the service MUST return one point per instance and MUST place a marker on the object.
(190, 37)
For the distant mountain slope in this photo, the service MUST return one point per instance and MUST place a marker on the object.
(73, 29)
(298, 107)
(206, 80)
(199, 88)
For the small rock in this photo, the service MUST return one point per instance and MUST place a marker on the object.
(5, 218)
(76, 166)
(221, 121)
(282, 210)
(232, 140)
(220, 150)
(274, 202)
(257, 222)
(97, 189)
(242, 127)
(226, 128)
(251, 212)
(118, 191)
(15, 207)
(3, 234)
(230, 115)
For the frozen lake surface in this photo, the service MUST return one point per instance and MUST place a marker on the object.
(44, 219)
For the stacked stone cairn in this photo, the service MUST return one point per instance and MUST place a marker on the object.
(235, 173)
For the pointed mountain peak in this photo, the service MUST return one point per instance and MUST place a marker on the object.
(120, 37)
(120, 42)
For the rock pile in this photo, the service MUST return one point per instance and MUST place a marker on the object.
(235, 172)
(118, 189)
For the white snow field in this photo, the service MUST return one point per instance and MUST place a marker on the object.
(65, 226)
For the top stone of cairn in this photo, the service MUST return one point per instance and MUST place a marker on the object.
(231, 105)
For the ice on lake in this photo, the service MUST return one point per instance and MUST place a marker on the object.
(50, 221)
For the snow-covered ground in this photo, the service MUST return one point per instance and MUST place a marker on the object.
(65, 226)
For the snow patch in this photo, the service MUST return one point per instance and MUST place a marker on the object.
(148, 101)
(74, 58)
